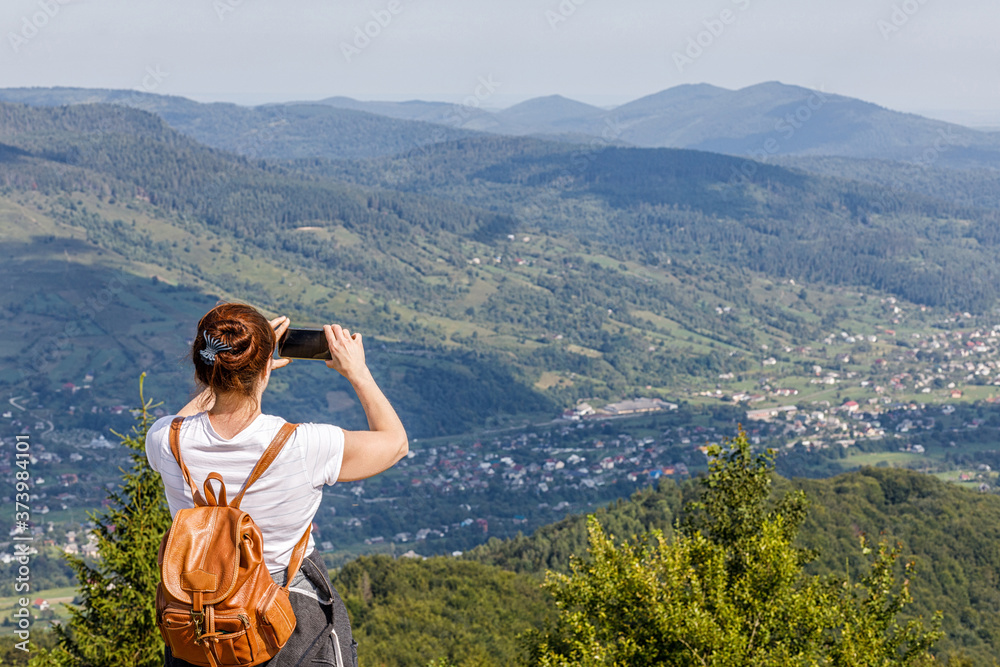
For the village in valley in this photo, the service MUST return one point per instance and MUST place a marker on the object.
(921, 397)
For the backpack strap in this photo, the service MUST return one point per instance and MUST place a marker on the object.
(175, 448)
(298, 554)
(265, 460)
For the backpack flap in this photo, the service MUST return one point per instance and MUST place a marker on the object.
(203, 553)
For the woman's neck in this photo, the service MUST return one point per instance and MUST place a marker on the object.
(231, 413)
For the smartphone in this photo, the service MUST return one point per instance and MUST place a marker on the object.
(304, 344)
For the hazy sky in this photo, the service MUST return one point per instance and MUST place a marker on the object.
(912, 55)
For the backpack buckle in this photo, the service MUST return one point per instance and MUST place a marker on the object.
(199, 619)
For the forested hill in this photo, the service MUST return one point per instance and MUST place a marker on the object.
(476, 609)
(220, 224)
(137, 154)
(953, 536)
(970, 188)
(275, 131)
(661, 204)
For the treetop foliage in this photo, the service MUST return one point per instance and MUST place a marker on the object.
(729, 589)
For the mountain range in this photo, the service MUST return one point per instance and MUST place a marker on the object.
(762, 121)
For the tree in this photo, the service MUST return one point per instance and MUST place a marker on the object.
(115, 623)
(728, 590)
(11, 654)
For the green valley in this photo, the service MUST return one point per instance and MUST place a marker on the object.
(524, 303)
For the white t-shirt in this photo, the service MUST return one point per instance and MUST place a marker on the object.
(282, 502)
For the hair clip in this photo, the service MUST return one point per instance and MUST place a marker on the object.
(212, 347)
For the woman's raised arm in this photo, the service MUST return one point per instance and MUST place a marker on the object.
(366, 453)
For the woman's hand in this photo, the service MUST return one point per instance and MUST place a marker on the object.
(347, 351)
(280, 326)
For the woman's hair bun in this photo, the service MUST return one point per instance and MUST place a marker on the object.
(232, 349)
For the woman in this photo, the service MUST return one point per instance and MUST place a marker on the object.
(225, 432)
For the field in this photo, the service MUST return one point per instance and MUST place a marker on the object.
(57, 599)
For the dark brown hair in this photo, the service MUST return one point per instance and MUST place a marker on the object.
(251, 341)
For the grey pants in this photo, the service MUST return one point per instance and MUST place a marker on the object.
(322, 629)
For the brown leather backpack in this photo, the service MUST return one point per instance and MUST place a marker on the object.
(217, 604)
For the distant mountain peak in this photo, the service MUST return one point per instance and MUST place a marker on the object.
(773, 85)
(337, 99)
(549, 99)
(550, 106)
(778, 90)
(551, 114)
(676, 95)
(706, 87)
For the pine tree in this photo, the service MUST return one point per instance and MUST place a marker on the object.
(115, 624)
